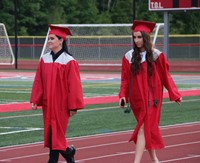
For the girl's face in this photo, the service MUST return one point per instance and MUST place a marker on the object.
(139, 41)
(54, 43)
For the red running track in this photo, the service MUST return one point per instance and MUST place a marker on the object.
(10, 107)
(182, 146)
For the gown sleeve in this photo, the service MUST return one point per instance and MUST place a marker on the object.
(37, 88)
(75, 96)
(125, 79)
(166, 79)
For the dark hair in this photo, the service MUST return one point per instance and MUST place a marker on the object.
(136, 58)
(64, 45)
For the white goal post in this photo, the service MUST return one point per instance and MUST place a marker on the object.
(6, 53)
(102, 44)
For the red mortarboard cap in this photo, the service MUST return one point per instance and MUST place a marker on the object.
(145, 26)
(60, 31)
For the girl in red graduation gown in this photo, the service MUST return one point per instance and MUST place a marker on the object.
(57, 88)
(145, 71)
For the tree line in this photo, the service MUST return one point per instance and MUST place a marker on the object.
(33, 16)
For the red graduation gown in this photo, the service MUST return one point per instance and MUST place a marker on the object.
(141, 90)
(57, 88)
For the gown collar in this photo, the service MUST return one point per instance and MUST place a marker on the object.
(56, 55)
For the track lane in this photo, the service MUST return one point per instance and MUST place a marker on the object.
(182, 145)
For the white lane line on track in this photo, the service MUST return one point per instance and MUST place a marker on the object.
(22, 157)
(82, 138)
(181, 134)
(127, 153)
(182, 158)
(104, 156)
(100, 145)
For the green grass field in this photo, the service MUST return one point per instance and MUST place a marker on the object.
(27, 126)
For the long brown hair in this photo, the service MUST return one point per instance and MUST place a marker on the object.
(136, 58)
(64, 45)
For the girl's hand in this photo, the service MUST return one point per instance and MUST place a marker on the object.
(72, 112)
(178, 101)
(34, 106)
(122, 102)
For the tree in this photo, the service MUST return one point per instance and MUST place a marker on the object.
(121, 12)
(31, 18)
(35, 15)
(185, 22)
(88, 13)
(7, 15)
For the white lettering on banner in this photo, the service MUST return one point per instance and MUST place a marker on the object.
(156, 5)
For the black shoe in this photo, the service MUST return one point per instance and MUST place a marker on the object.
(69, 154)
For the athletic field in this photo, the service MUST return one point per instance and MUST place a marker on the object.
(100, 116)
